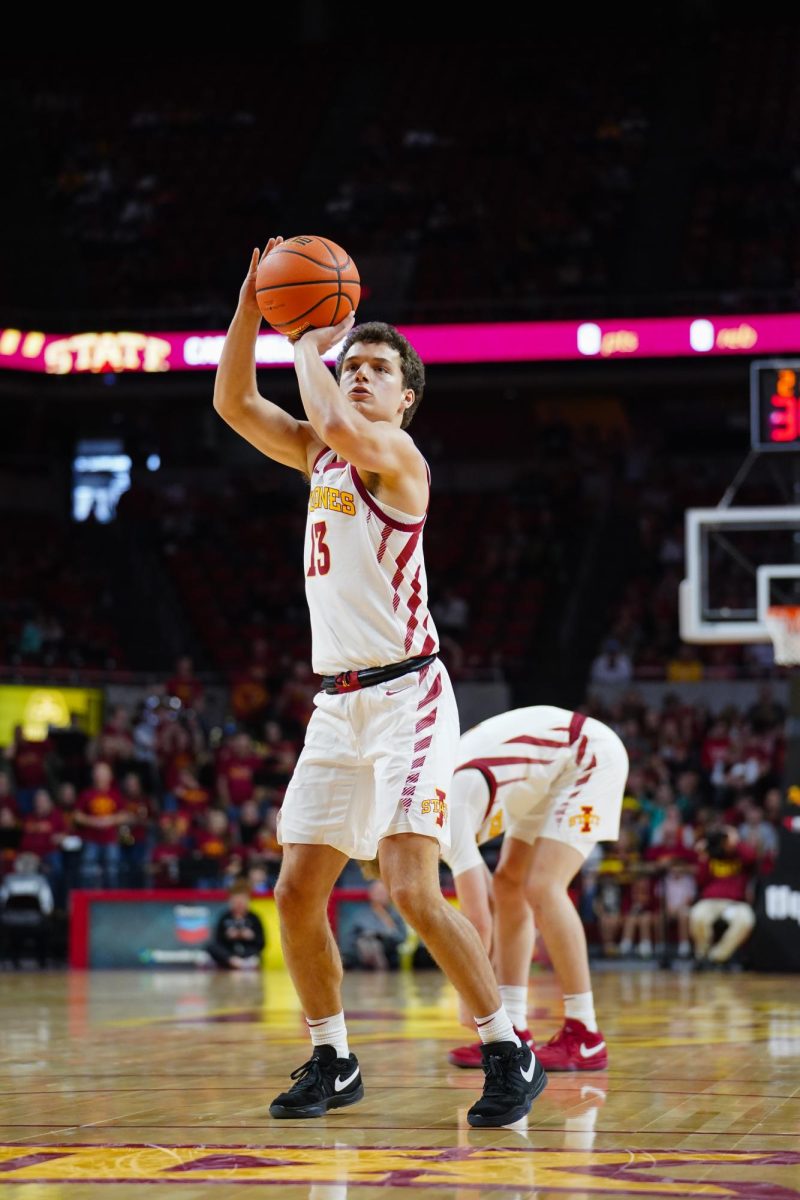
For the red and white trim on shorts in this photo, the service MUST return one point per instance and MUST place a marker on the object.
(423, 737)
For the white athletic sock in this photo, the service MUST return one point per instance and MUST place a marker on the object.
(329, 1031)
(515, 1002)
(580, 1007)
(497, 1028)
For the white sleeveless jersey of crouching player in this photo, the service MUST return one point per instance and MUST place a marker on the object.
(365, 575)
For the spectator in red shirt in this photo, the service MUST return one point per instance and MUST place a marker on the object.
(42, 834)
(212, 849)
(167, 858)
(725, 867)
(30, 761)
(189, 796)
(250, 696)
(236, 780)
(183, 683)
(100, 812)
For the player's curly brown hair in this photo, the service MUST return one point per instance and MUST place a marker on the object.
(412, 366)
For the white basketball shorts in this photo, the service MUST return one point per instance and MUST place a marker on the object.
(585, 805)
(375, 762)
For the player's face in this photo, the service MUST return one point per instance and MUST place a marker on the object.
(372, 380)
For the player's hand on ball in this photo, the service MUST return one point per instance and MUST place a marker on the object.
(247, 293)
(321, 340)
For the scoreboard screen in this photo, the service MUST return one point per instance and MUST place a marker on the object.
(775, 404)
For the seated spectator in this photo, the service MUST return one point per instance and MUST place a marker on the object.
(239, 936)
(377, 934)
(671, 852)
(638, 920)
(250, 696)
(249, 823)
(725, 866)
(166, 866)
(758, 833)
(26, 905)
(189, 795)
(685, 666)
(236, 779)
(212, 848)
(42, 834)
(612, 666)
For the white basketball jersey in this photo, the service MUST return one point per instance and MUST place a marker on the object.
(365, 575)
(520, 754)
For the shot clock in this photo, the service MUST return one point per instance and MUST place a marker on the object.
(775, 404)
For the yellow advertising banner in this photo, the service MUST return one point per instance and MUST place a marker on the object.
(37, 708)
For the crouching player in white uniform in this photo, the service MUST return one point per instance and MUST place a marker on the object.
(552, 782)
(374, 775)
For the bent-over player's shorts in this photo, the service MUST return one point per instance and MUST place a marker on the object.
(586, 804)
(375, 762)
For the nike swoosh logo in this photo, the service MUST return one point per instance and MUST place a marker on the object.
(397, 691)
(589, 1053)
(340, 1084)
(528, 1075)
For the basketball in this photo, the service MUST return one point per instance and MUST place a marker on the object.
(305, 283)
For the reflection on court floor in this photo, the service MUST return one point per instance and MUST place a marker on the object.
(164, 1079)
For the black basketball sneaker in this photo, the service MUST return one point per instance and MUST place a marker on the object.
(513, 1080)
(323, 1082)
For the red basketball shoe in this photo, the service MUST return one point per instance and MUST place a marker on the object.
(574, 1048)
(470, 1056)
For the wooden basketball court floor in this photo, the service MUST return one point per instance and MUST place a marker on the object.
(113, 1081)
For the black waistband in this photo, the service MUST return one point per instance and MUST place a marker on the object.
(353, 681)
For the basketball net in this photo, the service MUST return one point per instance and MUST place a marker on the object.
(783, 623)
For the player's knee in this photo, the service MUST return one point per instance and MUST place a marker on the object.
(293, 897)
(508, 883)
(543, 892)
(411, 902)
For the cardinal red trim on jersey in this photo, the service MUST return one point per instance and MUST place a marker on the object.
(385, 535)
(370, 500)
(400, 565)
(413, 604)
(479, 765)
(532, 741)
(333, 464)
(324, 450)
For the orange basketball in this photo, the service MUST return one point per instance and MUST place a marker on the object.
(306, 283)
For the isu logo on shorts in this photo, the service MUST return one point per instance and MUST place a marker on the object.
(438, 806)
(587, 818)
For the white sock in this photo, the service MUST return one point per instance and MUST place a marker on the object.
(497, 1028)
(329, 1031)
(580, 1007)
(645, 948)
(515, 1002)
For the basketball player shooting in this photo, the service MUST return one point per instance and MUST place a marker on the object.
(381, 746)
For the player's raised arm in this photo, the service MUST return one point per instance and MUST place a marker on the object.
(361, 415)
(236, 397)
